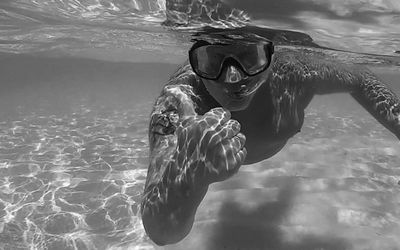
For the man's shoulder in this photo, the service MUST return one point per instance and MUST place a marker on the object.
(187, 90)
(184, 75)
(183, 83)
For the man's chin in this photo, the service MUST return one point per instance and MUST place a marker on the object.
(237, 104)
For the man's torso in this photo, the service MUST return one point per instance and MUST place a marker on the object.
(275, 114)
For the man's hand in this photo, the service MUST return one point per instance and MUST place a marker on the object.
(210, 147)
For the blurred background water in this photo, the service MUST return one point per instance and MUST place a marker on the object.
(77, 83)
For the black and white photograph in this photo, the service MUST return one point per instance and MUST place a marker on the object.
(200, 125)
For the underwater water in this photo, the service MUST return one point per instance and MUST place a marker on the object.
(77, 84)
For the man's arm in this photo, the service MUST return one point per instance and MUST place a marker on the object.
(379, 101)
(187, 153)
(321, 74)
(168, 204)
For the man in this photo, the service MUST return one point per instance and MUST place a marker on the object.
(237, 102)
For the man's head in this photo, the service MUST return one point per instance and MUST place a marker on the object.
(231, 64)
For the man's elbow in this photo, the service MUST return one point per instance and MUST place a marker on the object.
(164, 231)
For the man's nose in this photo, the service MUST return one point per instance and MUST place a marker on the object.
(233, 74)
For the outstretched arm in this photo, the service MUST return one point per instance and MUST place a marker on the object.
(379, 101)
(168, 204)
(187, 153)
(321, 74)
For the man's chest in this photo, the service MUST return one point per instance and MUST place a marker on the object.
(266, 132)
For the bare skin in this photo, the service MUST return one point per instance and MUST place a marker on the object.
(200, 133)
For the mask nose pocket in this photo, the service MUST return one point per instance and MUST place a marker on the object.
(233, 74)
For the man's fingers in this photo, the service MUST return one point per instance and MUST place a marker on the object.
(229, 129)
(240, 141)
(212, 137)
(235, 160)
(241, 155)
(216, 117)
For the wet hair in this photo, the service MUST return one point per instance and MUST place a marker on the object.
(210, 35)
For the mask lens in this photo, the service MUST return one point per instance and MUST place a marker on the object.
(253, 59)
(207, 61)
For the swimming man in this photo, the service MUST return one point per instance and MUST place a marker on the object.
(237, 102)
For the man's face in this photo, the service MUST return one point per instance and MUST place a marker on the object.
(234, 90)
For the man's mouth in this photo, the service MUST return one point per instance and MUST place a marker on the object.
(244, 90)
(237, 84)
